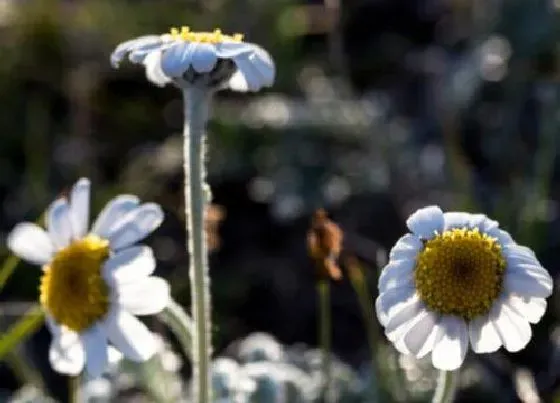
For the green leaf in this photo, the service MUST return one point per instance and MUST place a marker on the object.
(27, 325)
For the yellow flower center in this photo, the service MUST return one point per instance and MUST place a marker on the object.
(72, 289)
(460, 272)
(185, 34)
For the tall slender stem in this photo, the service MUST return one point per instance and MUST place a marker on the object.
(446, 387)
(74, 389)
(325, 333)
(196, 106)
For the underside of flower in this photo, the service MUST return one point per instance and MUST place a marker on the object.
(186, 34)
(460, 272)
(72, 288)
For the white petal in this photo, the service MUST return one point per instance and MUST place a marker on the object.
(31, 243)
(451, 344)
(487, 224)
(204, 57)
(426, 222)
(133, 44)
(420, 338)
(391, 300)
(484, 336)
(66, 353)
(130, 336)
(59, 224)
(516, 254)
(177, 59)
(403, 316)
(129, 265)
(144, 297)
(532, 309)
(255, 70)
(135, 226)
(112, 212)
(514, 330)
(528, 284)
(503, 237)
(531, 270)
(398, 273)
(407, 247)
(79, 207)
(455, 219)
(154, 73)
(96, 349)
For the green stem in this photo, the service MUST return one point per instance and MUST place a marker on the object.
(323, 291)
(365, 300)
(446, 387)
(74, 389)
(196, 107)
(180, 324)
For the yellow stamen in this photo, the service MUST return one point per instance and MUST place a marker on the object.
(460, 272)
(72, 288)
(185, 34)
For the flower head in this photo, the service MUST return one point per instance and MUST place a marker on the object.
(95, 281)
(456, 279)
(210, 59)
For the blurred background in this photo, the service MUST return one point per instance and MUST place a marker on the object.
(380, 107)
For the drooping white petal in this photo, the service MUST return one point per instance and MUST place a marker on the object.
(138, 55)
(402, 316)
(79, 207)
(391, 300)
(516, 254)
(154, 73)
(204, 57)
(59, 224)
(487, 224)
(455, 219)
(531, 270)
(255, 70)
(397, 273)
(451, 344)
(514, 330)
(95, 345)
(483, 335)
(130, 336)
(147, 296)
(113, 212)
(426, 222)
(528, 284)
(407, 247)
(143, 42)
(531, 309)
(421, 336)
(176, 59)
(31, 243)
(503, 237)
(129, 265)
(66, 353)
(135, 226)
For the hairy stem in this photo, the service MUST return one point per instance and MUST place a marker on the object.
(196, 104)
(74, 389)
(323, 290)
(446, 387)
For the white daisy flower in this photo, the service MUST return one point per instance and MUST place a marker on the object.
(205, 58)
(94, 282)
(458, 278)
